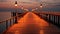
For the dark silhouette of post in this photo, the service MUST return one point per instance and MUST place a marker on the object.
(16, 12)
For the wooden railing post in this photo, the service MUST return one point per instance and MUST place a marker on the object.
(6, 24)
(15, 15)
(10, 22)
(49, 17)
(58, 19)
(15, 19)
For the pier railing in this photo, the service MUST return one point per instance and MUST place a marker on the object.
(6, 24)
(51, 17)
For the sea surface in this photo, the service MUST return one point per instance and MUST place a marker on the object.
(5, 15)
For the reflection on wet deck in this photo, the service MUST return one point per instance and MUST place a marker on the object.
(32, 24)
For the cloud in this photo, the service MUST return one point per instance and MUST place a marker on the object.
(48, 1)
(51, 1)
(3, 0)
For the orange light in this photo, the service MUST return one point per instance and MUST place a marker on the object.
(26, 9)
(41, 6)
(15, 4)
(33, 9)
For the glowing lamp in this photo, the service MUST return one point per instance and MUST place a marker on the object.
(15, 4)
(41, 6)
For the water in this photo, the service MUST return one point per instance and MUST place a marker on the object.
(5, 15)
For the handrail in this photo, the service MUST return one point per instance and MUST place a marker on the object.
(45, 12)
(51, 17)
(11, 21)
(6, 22)
(7, 19)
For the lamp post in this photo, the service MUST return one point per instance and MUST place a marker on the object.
(16, 11)
(41, 6)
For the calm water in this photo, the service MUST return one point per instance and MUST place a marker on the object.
(4, 15)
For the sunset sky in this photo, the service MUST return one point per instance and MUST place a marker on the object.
(29, 3)
(10, 2)
(48, 1)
